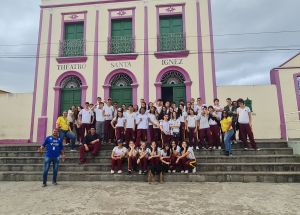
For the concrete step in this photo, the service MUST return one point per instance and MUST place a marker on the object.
(269, 177)
(202, 167)
(263, 151)
(200, 159)
(33, 146)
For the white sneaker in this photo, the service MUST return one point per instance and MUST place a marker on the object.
(182, 171)
(120, 172)
(169, 171)
(197, 148)
(112, 171)
(140, 172)
(219, 148)
(174, 171)
(194, 170)
(186, 172)
(214, 148)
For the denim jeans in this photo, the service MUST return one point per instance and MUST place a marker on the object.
(68, 134)
(227, 140)
(47, 163)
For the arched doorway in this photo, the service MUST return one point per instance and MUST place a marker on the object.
(173, 87)
(121, 89)
(70, 93)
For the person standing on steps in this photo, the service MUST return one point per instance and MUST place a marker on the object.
(54, 151)
(226, 125)
(64, 129)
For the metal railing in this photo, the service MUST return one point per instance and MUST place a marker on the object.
(171, 42)
(72, 48)
(121, 45)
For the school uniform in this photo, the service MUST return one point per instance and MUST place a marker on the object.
(120, 121)
(173, 165)
(142, 122)
(175, 132)
(154, 163)
(143, 165)
(132, 160)
(166, 157)
(166, 132)
(192, 124)
(86, 116)
(215, 130)
(244, 127)
(152, 118)
(108, 129)
(189, 162)
(118, 152)
(100, 120)
(130, 126)
(182, 119)
(204, 132)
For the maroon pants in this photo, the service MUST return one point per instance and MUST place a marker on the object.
(182, 131)
(141, 135)
(93, 148)
(245, 130)
(192, 137)
(120, 133)
(117, 163)
(129, 135)
(186, 164)
(143, 165)
(204, 134)
(151, 133)
(108, 131)
(165, 139)
(79, 134)
(132, 162)
(85, 128)
(157, 136)
(215, 131)
(173, 165)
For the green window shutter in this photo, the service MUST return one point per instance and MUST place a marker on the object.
(73, 44)
(122, 95)
(70, 97)
(121, 36)
(179, 93)
(171, 33)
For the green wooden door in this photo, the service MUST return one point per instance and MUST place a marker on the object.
(122, 95)
(121, 36)
(171, 33)
(173, 92)
(179, 93)
(70, 97)
(73, 44)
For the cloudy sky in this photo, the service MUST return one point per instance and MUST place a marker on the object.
(239, 25)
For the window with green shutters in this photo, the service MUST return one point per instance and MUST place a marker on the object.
(171, 36)
(73, 44)
(121, 40)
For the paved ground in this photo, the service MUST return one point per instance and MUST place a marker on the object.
(108, 198)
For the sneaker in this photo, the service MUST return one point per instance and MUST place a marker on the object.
(129, 172)
(169, 171)
(257, 149)
(112, 171)
(186, 172)
(140, 172)
(44, 185)
(182, 171)
(197, 148)
(219, 148)
(54, 183)
(245, 148)
(174, 171)
(214, 148)
(194, 170)
(203, 147)
(73, 150)
(120, 172)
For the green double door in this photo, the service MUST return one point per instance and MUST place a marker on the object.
(122, 95)
(74, 39)
(70, 97)
(121, 36)
(173, 93)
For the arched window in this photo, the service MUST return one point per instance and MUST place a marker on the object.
(172, 78)
(71, 82)
(121, 80)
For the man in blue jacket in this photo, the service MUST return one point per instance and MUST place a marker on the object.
(54, 149)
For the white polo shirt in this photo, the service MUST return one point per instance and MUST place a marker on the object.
(244, 115)
(191, 155)
(203, 121)
(175, 123)
(165, 126)
(119, 151)
(99, 114)
(108, 110)
(86, 116)
(130, 117)
(192, 121)
(142, 121)
(120, 121)
(183, 116)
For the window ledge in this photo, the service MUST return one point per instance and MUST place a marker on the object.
(125, 56)
(77, 59)
(171, 54)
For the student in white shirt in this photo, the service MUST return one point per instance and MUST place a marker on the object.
(187, 160)
(86, 116)
(132, 157)
(142, 160)
(108, 129)
(175, 153)
(165, 160)
(118, 123)
(192, 127)
(214, 123)
(165, 129)
(100, 119)
(245, 124)
(154, 162)
(175, 127)
(130, 116)
(153, 126)
(117, 157)
(182, 117)
(142, 122)
(204, 132)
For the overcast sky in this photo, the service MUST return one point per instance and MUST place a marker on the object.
(19, 21)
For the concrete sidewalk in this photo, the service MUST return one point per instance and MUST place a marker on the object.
(108, 198)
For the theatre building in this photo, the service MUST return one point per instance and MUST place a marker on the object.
(125, 50)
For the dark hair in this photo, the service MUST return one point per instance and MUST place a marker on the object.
(87, 103)
(98, 97)
(142, 108)
(216, 99)
(118, 115)
(241, 101)
(130, 105)
(190, 111)
(224, 112)
(176, 115)
(229, 99)
(152, 111)
(210, 107)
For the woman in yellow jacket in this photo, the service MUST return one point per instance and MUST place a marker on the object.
(226, 126)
